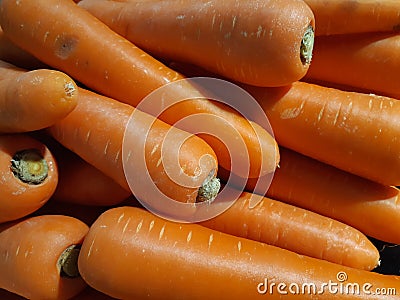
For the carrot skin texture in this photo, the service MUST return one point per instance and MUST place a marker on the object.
(346, 17)
(354, 132)
(19, 198)
(255, 42)
(370, 207)
(30, 250)
(159, 259)
(279, 224)
(101, 146)
(33, 100)
(125, 73)
(366, 61)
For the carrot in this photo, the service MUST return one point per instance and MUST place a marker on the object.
(160, 259)
(13, 54)
(354, 132)
(344, 17)
(38, 254)
(89, 51)
(80, 182)
(366, 61)
(182, 176)
(279, 224)
(263, 43)
(28, 176)
(32, 100)
(370, 207)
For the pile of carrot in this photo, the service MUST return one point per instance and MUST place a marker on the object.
(105, 195)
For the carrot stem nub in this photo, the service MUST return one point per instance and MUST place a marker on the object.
(68, 262)
(209, 190)
(29, 166)
(70, 89)
(307, 45)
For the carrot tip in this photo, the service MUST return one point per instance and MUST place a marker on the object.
(209, 190)
(29, 166)
(307, 45)
(68, 262)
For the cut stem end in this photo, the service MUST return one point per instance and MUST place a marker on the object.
(29, 166)
(307, 45)
(209, 190)
(68, 262)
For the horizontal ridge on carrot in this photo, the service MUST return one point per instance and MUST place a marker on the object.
(33, 100)
(354, 132)
(367, 61)
(166, 260)
(280, 224)
(102, 146)
(344, 16)
(92, 53)
(38, 257)
(28, 176)
(260, 42)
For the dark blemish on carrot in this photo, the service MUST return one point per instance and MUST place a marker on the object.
(65, 45)
(350, 5)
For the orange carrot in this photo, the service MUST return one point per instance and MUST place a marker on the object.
(366, 61)
(160, 259)
(263, 43)
(344, 16)
(37, 257)
(89, 51)
(13, 54)
(32, 100)
(28, 176)
(80, 182)
(372, 208)
(102, 146)
(355, 132)
(279, 224)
